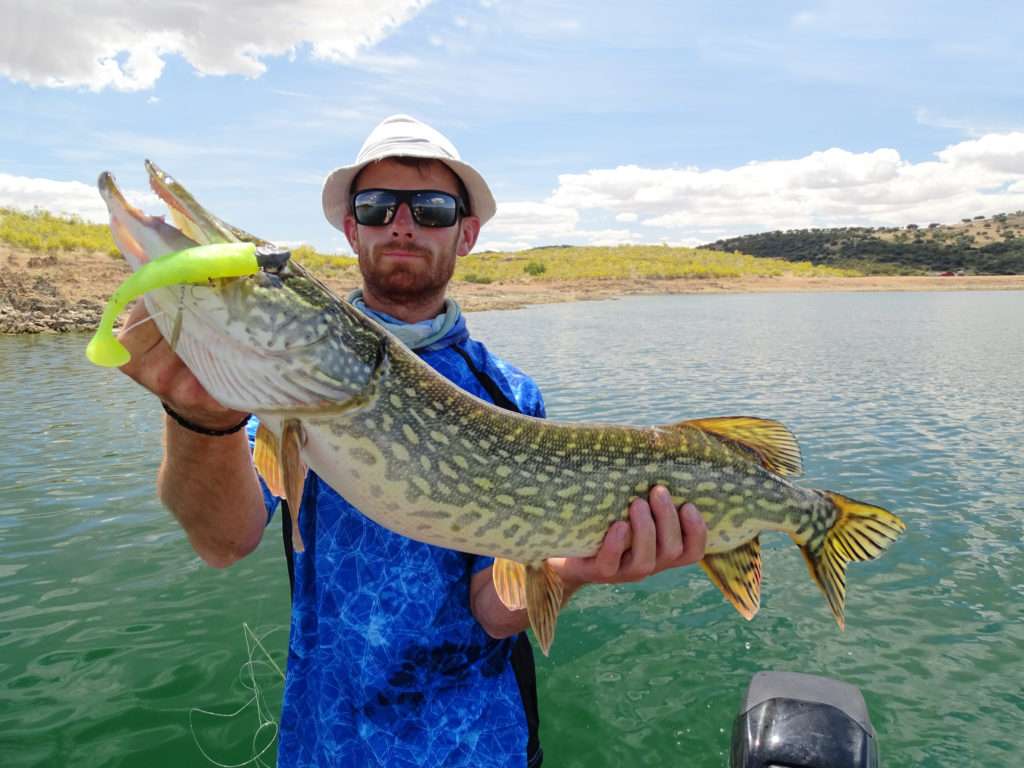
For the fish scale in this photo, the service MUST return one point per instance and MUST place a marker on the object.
(337, 393)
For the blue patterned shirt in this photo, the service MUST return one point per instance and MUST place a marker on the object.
(386, 664)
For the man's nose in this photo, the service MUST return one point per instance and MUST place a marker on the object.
(403, 223)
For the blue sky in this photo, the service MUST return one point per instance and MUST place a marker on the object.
(676, 122)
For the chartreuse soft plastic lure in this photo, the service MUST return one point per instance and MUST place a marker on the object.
(194, 266)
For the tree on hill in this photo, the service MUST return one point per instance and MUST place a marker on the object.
(949, 249)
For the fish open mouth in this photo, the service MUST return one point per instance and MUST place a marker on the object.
(194, 220)
(249, 336)
(142, 237)
(139, 236)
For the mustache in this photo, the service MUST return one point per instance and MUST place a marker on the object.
(412, 248)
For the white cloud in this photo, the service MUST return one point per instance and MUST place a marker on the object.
(834, 187)
(998, 153)
(502, 245)
(627, 218)
(66, 197)
(533, 222)
(97, 44)
(521, 225)
(607, 237)
(968, 127)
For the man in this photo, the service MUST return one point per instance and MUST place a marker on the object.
(400, 653)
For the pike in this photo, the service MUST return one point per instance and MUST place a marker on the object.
(337, 393)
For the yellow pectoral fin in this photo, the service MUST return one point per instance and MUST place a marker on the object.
(293, 474)
(738, 574)
(772, 444)
(510, 583)
(544, 591)
(266, 457)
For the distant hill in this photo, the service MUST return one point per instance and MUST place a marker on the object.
(982, 245)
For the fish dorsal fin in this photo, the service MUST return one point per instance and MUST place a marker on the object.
(772, 443)
(266, 457)
(738, 574)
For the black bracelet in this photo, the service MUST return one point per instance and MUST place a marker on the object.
(203, 430)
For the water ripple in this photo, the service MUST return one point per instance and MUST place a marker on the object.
(112, 631)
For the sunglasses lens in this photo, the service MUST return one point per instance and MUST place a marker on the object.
(375, 207)
(430, 208)
(434, 209)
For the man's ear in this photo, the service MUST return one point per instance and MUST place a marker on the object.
(352, 232)
(469, 230)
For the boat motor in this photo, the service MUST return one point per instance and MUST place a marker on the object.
(792, 720)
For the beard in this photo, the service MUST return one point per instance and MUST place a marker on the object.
(407, 281)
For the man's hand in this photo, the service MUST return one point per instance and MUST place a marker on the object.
(156, 367)
(208, 483)
(657, 537)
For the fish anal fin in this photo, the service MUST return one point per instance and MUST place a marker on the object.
(293, 473)
(860, 532)
(266, 457)
(773, 445)
(544, 591)
(737, 573)
(510, 583)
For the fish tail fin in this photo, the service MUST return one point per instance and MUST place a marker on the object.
(860, 532)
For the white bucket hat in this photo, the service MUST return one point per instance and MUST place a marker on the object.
(404, 136)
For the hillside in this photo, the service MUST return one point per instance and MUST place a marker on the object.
(983, 246)
(56, 274)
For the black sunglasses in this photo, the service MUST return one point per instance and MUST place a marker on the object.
(429, 207)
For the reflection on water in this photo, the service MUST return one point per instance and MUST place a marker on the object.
(112, 631)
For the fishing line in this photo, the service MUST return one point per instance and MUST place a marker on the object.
(136, 324)
(266, 724)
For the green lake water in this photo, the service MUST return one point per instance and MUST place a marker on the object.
(118, 647)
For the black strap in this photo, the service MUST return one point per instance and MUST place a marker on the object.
(499, 398)
(526, 678)
(193, 427)
(522, 652)
(289, 548)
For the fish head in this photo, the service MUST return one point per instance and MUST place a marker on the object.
(274, 341)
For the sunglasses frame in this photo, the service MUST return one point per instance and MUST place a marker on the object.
(406, 196)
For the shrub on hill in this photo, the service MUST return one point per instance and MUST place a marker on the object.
(40, 230)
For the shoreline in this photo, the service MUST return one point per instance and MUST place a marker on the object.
(523, 293)
(56, 293)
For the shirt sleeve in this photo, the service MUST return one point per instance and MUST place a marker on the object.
(480, 562)
(270, 501)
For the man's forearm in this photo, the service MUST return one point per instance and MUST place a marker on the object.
(210, 486)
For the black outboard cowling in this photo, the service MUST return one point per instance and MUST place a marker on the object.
(791, 720)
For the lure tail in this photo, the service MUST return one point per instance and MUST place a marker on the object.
(196, 265)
